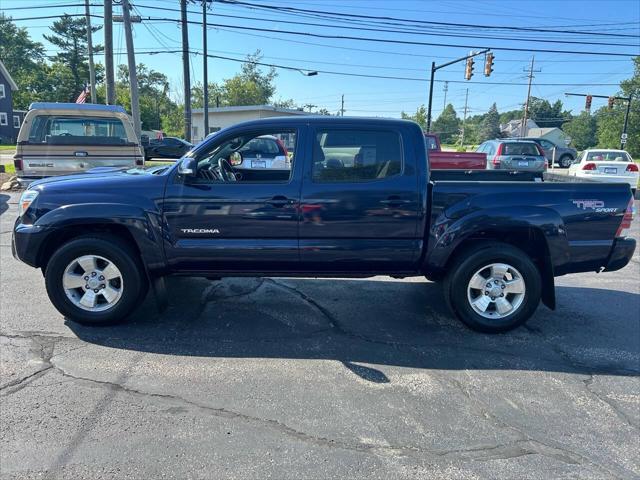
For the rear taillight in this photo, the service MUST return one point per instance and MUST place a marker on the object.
(632, 167)
(589, 166)
(496, 160)
(17, 162)
(625, 225)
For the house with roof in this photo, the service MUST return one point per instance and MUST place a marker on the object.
(221, 117)
(513, 128)
(554, 135)
(9, 121)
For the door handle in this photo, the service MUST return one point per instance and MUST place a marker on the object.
(280, 201)
(394, 202)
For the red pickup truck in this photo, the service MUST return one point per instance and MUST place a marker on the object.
(439, 160)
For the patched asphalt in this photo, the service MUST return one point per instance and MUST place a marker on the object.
(305, 378)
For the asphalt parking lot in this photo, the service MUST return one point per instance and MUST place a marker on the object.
(282, 378)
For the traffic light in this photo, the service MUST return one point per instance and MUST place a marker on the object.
(488, 64)
(587, 103)
(611, 101)
(468, 71)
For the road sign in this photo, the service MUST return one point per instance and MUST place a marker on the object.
(623, 141)
(623, 136)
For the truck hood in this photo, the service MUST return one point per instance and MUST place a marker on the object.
(96, 177)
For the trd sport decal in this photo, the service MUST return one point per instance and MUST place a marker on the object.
(595, 205)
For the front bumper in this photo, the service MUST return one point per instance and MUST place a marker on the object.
(27, 242)
(621, 254)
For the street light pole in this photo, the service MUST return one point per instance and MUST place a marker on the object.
(434, 68)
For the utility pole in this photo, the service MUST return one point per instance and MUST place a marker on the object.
(309, 106)
(342, 107)
(205, 57)
(523, 128)
(186, 79)
(446, 89)
(133, 77)
(108, 52)
(464, 118)
(92, 71)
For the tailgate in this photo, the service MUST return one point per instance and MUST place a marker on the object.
(52, 160)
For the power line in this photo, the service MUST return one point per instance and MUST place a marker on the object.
(421, 22)
(401, 42)
(410, 32)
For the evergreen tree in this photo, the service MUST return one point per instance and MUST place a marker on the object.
(490, 127)
(70, 36)
(447, 125)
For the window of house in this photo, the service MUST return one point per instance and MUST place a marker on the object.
(3, 118)
(356, 155)
(2, 91)
(16, 121)
(253, 157)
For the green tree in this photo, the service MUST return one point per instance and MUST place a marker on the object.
(490, 126)
(420, 117)
(582, 130)
(24, 59)
(447, 125)
(610, 121)
(547, 115)
(70, 36)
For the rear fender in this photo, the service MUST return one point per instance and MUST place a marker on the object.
(541, 228)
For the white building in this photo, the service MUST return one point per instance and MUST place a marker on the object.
(221, 117)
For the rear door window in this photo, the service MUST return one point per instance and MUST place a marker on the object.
(520, 149)
(356, 155)
(70, 130)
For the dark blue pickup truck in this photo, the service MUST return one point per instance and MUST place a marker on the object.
(356, 199)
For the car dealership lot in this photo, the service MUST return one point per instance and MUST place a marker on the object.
(288, 378)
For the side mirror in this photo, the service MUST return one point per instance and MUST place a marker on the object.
(235, 159)
(188, 167)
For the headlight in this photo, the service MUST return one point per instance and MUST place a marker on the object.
(26, 200)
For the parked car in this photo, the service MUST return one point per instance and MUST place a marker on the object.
(263, 158)
(62, 138)
(565, 156)
(167, 147)
(615, 166)
(439, 160)
(99, 237)
(508, 154)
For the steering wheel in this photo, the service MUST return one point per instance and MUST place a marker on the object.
(226, 171)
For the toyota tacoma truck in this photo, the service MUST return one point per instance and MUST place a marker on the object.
(358, 200)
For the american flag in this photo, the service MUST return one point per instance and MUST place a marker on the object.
(82, 98)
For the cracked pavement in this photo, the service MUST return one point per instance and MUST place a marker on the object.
(303, 378)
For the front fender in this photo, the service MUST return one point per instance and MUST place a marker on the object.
(143, 225)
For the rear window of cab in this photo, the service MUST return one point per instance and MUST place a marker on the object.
(62, 129)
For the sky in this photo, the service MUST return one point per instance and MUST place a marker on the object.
(378, 96)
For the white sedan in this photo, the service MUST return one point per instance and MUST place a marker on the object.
(615, 166)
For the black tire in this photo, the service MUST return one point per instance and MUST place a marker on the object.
(463, 269)
(566, 161)
(135, 284)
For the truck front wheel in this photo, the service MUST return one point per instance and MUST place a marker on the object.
(493, 289)
(95, 281)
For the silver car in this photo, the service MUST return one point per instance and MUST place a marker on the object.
(508, 154)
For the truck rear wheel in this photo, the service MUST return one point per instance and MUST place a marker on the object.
(493, 289)
(95, 281)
